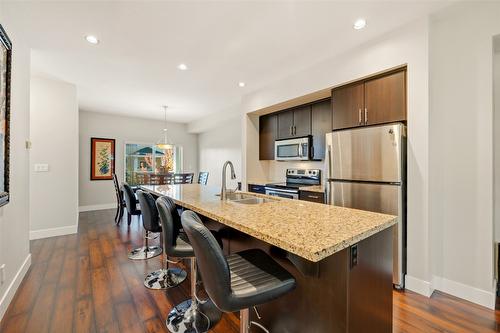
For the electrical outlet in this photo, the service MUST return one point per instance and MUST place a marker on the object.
(354, 255)
(2, 273)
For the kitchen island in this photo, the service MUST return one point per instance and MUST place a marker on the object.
(340, 257)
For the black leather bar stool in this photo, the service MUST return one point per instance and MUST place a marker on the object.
(192, 315)
(130, 202)
(173, 245)
(238, 281)
(151, 224)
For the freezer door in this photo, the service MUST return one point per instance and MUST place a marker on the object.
(367, 153)
(380, 198)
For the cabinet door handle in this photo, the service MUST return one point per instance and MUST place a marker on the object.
(294, 130)
(359, 116)
(366, 116)
(312, 151)
(291, 130)
(314, 196)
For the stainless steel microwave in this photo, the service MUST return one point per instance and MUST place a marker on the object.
(293, 149)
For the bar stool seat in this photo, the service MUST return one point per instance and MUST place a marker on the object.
(255, 279)
(239, 281)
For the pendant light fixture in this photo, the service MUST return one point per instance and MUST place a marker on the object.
(163, 142)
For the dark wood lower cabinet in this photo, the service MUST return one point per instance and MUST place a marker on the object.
(331, 296)
(312, 196)
(257, 188)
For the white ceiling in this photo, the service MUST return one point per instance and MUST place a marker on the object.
(133, 71)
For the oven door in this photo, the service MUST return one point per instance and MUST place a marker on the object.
(289, 194)
(292, 149)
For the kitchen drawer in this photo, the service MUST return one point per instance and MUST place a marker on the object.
(312, 196)
(256, 188)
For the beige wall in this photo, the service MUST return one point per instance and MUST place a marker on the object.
(100, 194)
(54, 138)
(219, 144)
(461, 159)
(14, 217)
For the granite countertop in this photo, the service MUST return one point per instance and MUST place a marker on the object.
(309, 230)
(314, 188)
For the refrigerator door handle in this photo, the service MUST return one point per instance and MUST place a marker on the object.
(329, 174)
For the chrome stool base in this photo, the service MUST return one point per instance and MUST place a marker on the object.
(143, 253)
(187, 317)
(165, 278)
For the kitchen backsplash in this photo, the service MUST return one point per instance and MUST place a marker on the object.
(277, 170)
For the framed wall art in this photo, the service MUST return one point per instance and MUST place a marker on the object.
(5, 76)
(102, 160)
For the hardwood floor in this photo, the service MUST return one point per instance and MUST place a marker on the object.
(85, 283)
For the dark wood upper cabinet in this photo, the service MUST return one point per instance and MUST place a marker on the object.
(347, 105)
(294, 123)
(302, 121)
(285, 125)
(268, 126)
(385, 99)
(321, 123)
(379, 100)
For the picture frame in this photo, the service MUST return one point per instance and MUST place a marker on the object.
(102, 158)
(5, 95)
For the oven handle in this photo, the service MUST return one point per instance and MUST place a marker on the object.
(280, 190)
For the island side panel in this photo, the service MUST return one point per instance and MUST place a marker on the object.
(370, 285)
(318, 303)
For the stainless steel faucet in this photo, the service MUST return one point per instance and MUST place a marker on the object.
(223, 190)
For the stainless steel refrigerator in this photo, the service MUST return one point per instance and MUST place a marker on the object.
(366, 169)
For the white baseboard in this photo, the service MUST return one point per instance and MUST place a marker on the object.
(12, 288)
(469, 293)
(419, 286)
(52, 232)
(96, 207)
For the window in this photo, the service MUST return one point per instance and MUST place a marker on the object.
(145, 161)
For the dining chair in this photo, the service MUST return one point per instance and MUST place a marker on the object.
(183, 178)
(140, 179)
(130, 202)
(154, 179)
(203, 177)
(166, 179)
(119, 200)
(169, 180)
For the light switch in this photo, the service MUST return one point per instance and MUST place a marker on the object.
(41, 167)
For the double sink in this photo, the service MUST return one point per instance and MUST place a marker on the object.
(246, 199)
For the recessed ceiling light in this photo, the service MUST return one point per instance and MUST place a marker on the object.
(92, 39)
(359, 24)
(182, 67)
(241, 84)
